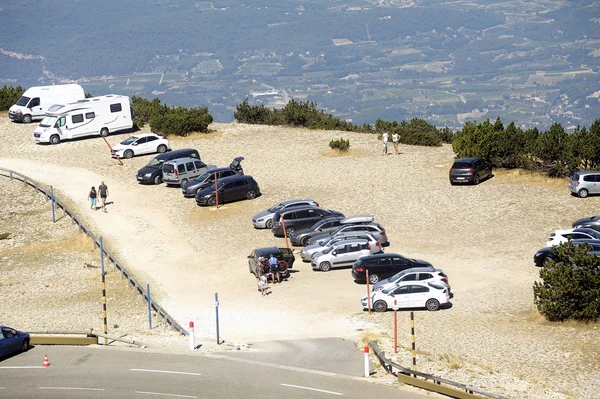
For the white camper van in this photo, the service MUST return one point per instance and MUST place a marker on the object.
(90, 117)
(34, 103)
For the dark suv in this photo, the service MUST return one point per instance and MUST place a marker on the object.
(382, 266)
(297, 218)
(206, 179)
(152, 173)
(470, 170)
(230, 188)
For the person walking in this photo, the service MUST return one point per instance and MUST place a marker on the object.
(263, 284)
(103, 189)
(92, 197)
(274, 268)
(395, 141)
(385, 142)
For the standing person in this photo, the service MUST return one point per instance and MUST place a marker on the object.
(103, 188)
(385, 142)
(92, 197)
(263, 284)
(395, 141)
(274, 265)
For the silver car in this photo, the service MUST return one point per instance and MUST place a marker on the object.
(180, 171)
(307, 252)
(344, 253)
(584, 183)
(264, 219)
(374, 228)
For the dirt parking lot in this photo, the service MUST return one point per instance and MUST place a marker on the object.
(483, 237)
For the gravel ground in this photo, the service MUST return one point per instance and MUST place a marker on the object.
(484, 238)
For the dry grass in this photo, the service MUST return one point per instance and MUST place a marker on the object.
(77, 242)
(452, 361)
(529, 177)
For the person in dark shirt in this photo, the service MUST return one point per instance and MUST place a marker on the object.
(103, 189)
(92, 197)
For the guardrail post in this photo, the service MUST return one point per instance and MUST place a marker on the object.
(25, 180)
(368, 291)
(395, 326)
(367, 370)
(11, 176)
(412, 333)
(149, 306)
(192, 344)
(103, 291)
(217, 314)
(53, 211)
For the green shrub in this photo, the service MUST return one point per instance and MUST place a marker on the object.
(181, 121)
(144, 110)
(9, 96)
(570, 287)
(340, 144)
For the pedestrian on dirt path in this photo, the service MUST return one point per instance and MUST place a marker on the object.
(385, 142)
(263, 284)
(92, 197)
(274, 268)
(103, 189)
(395, 141)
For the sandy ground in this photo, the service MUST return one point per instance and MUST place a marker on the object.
(483, 237)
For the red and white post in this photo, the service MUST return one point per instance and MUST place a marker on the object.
(367, 370)
(192, 343)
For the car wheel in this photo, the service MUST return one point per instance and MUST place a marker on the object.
(104, 132)
(380, 306)
(183, 181)
(269, 224)
(211, 201)
(25, 346)
(251, 194)
(290, 231)
(161, 149)
(128, 154)
(432, 304)
(546, 260)
(325, 266)
(452, 183)
(158, 179)
(304, 241)
(583, 193)
(476, 181)
(26, 119)
(373, 278)
(54, 139)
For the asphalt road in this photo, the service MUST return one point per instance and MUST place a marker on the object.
(97, 372)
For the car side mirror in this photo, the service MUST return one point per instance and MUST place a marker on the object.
(334, 253)
(250, 257)
(134, 143)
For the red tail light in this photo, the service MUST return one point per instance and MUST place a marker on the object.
(451, 170)
(470, 170)
(368, 246)
(162, 137)
(377, 243)
(316, 204)
(577, 184)
(445, 280)
(382, 233)
(360, 269)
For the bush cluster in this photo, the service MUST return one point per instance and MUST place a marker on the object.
(166, 120)
(340, 144)
(9, 96)
(570, 286)
(417, 132)
(555, 151)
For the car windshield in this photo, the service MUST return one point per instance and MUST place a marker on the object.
(389, 290)
(397, 276)
(156, 163)
(276, 207)
(23, 101)
(129, 140)
(48, 121)
(328, 250)
(461, 165)
(204, 176)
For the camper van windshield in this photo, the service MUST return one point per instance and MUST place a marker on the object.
(48, 121)
(23, 101)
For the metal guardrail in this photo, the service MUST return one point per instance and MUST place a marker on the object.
(430, 382)
(169, 320)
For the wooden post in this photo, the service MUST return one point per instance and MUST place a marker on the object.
(113, 151)
(287, 244)
(368, 291)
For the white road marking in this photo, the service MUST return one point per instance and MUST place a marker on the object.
(22, 367)
(312, 389)
(73, 388)
(164, 371)
(166, 394)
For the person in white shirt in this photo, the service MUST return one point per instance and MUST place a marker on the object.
(395, 141)
(385, 142)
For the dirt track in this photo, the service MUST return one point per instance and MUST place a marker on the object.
(484, 238)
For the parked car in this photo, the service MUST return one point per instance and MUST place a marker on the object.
(206, 179)
(282, 254)
(572, 234)
(584, 183)
(230, 189)
(12, 341)
(368, 227)
(383, 266)
(470, 170)
(410, 294)
(415, 274)
(264, 219)
(141, 144)
(545, 255)
(297, 218)
(592, 222)
(180, 171)
(301, 237)
(307, 252)
(152, 173)
(340, 254)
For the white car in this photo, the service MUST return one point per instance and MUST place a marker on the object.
(140, 144)
(307, 252)
(424, 274)
(409, 294)
(560, 236)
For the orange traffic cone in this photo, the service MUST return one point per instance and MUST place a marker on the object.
(46, 363)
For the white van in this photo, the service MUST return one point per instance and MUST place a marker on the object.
(34, 103)
(90, 117)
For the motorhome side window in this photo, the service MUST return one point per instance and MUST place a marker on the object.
(61, 121)
(115, 107)
(90, 115)
(77, 118)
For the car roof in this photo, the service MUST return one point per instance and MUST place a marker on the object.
(588, 172)
(223, 169)
(468, 159)
(355, 241)
(184, 159)
(295, 208)
(176, 153)
(268, 250)
(383, 255)
(402, 283)
(234, 178)
(291, 201)
(147, 134)
(358, 219)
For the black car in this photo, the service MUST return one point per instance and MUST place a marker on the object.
(547, 254)
(592, 222)
(301, 237)
(382, 266)
(300, 217)
(152, 173)
(206, 179)
(229, 189)
(470, 170)
(282, 254)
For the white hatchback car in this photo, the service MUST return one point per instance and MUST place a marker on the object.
(409, 294)
(140, 144)
(560, 236)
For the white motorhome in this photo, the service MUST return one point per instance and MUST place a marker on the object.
(34, 103)
(96, 116)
